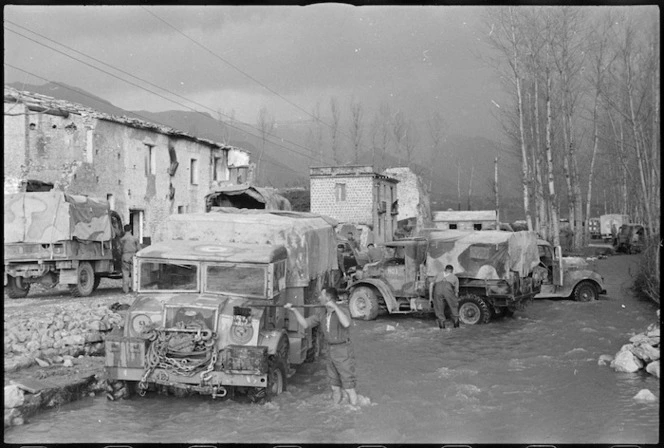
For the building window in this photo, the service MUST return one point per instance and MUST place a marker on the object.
(477, 226)
(219, 170)
(193, 171)
(242, 174)
(183, 209)
(340, 192)
(453, 226)
(151, 160)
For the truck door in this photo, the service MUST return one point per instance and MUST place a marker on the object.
(558, 266)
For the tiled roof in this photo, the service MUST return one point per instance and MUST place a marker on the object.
(48, 104)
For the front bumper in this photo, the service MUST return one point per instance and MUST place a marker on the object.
(167, 378)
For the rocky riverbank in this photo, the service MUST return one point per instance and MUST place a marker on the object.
(641, 353)
(54, 353)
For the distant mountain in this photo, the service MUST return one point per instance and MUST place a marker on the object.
(286, 160)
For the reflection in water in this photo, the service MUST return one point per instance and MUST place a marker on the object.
(530, 379)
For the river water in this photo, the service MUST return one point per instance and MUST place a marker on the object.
(533, 378)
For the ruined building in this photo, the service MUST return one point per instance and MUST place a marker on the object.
(414, 205)
(357, 196)
(145, 171)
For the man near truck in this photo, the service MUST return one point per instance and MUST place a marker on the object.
(446, 292)
(130, 245)
(335, 325)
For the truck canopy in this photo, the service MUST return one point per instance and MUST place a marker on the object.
(213, 251)
(308, 238)
(489, 254)
(245, 196)
(51, 216)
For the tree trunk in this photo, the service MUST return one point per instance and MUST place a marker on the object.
(549, 163)
(470, 185)
(495, 191)
(522, 137)
(592, 167)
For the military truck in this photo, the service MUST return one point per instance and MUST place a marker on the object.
(209, 314)
(496, 270)
(56, 238)
(567, 276)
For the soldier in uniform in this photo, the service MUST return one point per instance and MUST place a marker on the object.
(446, 292)
(130, 245)
(335, 325)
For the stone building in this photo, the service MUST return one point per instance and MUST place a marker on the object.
(413, 206)
(464, 220)
(358, 196)
(145, 171)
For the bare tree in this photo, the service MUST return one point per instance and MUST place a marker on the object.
(356, 127)
(334, 130)
(470, 185)
(318, 133)
(437, 127)
(266, 125)
(399, 132)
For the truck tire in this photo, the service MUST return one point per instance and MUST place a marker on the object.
(276, 375)
(585, 292)
(473, 310)
(16, 287)
(363, 303)
(85, 280)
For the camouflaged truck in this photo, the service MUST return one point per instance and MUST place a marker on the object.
(209, 316)
(56, 238)
(497, 274)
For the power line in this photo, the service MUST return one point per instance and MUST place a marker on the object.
(274, 92)
(274, 163)
(155, 93)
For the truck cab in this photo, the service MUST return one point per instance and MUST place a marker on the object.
(567, 276)
(209, 314)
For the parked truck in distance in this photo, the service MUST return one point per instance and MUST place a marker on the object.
(609, 225)
(56, 238)
(496, 270)
(567, 276)
(209, 314)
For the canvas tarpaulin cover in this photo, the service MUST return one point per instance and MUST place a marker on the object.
(309, 239)
(228, 195)
(47, 217)
(482, 254)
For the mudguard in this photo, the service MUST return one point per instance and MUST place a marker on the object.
(270, 339)
(382, 288)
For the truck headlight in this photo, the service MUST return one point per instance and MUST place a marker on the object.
(139, 322)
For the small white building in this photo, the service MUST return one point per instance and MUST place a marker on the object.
(464, 220)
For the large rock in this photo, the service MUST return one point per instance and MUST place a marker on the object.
(645, 352)
(653, 368)
(645, 395)
(625, 361)
(13, 396)
(638, 338)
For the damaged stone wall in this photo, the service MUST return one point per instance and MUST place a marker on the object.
(412, 195)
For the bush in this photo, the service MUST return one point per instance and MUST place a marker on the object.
(646, 282)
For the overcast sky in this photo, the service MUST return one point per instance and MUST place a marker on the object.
(417, 59)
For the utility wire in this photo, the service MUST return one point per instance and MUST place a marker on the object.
(274, 163)
(156, 93)
(274, 92)
(150, 83)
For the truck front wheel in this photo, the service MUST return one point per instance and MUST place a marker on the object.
(85, 280)
(473, 310)
(363, 303)
(16, 287)
(585, 292)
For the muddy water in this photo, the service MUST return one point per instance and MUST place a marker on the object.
(533, 378)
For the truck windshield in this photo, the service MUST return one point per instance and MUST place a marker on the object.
(168, 276)
(245, 280)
